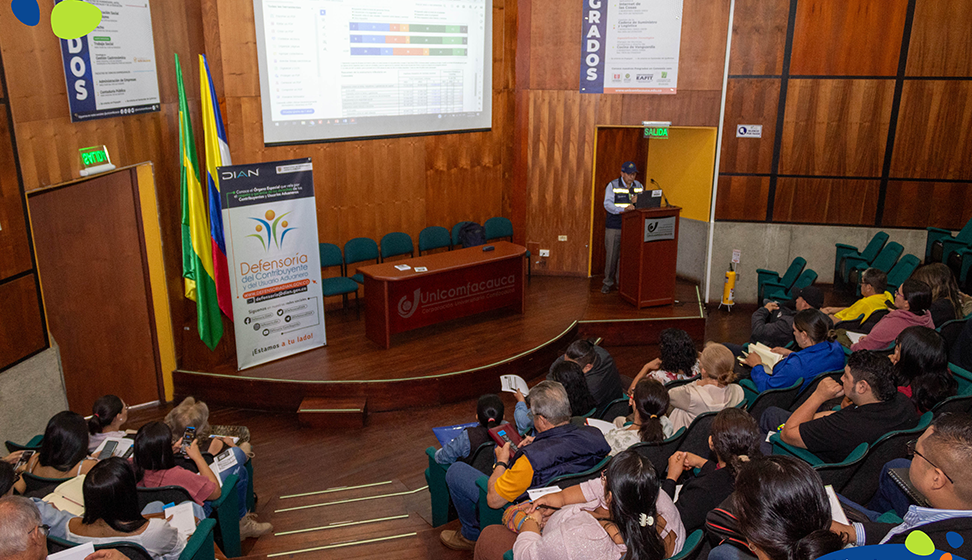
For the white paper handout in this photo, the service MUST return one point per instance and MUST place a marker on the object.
(79, 552)
(224, 461)
(855, 337)
(181, 518)
(605, 427)
(513, 382)
(836, 512)
(535, 493)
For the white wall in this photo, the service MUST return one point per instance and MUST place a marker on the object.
(774, 246)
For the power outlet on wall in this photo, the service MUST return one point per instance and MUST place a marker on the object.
(561, 238)
(544, 252)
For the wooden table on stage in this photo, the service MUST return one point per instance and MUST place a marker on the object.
(457, 284)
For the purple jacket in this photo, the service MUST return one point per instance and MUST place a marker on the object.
(890, 326)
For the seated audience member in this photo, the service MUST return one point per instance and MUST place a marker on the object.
(783, 512)
(108, 415)
(773, 325)
(874, 297)
(921, 367)
(734, 439)
(63, 450)
(912, 300)
(191, 412)
(941, 456)
(111, 513)
(679, 359)
(489, 413)
(712, 392)
(22, 536)
(650, 402)
(601, 374)
(818, 353)
(559, 448)
(571, 376)
(50, 515)
(622, 515)
(960, 353)
(155, 466)
(876, 408)
(946, 299)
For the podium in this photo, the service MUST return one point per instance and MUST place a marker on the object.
(649, 251)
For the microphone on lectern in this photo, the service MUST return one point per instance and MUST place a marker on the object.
(665, 198)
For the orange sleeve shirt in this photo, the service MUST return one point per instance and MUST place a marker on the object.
(515, 480)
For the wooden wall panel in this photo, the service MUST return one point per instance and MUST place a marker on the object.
(686, 108)
(836, 127)
(21, 320)
(14, 243)
(555, 45)
(826, 201)
(924, 204)
(742, 198)
(848, 38)
(758, 37)
(750, 101)
(701, 62)
(941, 43)
(934, 133)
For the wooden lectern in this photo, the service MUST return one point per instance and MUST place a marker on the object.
(649, 251)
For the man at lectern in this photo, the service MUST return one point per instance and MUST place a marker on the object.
(620, 196)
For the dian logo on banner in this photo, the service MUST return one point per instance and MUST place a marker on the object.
(407, 308)
(272, 230)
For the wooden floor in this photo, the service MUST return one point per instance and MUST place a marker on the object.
(441, 363)
(387, 455)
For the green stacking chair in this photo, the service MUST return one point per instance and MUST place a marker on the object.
(771, 277)
(759, 402)
(500, 227)
(806, 278)
(341, 285)
(900, 272)
(853, 267)
(939, 243)
(434, 237)
(359, 249)
(870, 251)
(396, 243)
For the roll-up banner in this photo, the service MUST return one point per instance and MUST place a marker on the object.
(270, 224)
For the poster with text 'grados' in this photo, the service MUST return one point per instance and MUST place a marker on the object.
(270, 228)
(630, 46)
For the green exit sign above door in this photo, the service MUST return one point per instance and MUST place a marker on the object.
(95, 160)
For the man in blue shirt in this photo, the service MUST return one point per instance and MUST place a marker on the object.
(941, 456)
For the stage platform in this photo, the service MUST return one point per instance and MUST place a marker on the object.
(443, 363)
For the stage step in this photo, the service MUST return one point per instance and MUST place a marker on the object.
(321, 412)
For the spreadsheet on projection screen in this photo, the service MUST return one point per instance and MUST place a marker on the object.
(343, 69)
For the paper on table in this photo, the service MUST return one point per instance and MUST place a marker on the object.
(513, 382)
(535, 493)
(234, 438)
(74, 553)
(402, 266)
(855, 337)
(836, 512)
(182, 519)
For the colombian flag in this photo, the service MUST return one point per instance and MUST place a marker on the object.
(217, 154)
(197, 256)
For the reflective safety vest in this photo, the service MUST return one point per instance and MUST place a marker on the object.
(622, 199)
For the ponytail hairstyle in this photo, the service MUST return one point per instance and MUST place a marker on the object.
(815, 324)
(489, 411)
(678, 353)
(651, 402)
(735, 438)
(717, 363)
(633, 485)
(103, 413)
(783, 509)
(571, 376)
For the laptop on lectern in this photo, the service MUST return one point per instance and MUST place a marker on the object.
(649, 199)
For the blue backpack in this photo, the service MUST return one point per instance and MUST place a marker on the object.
(472, 235)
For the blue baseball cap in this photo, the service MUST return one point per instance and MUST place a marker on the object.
(629, 167)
